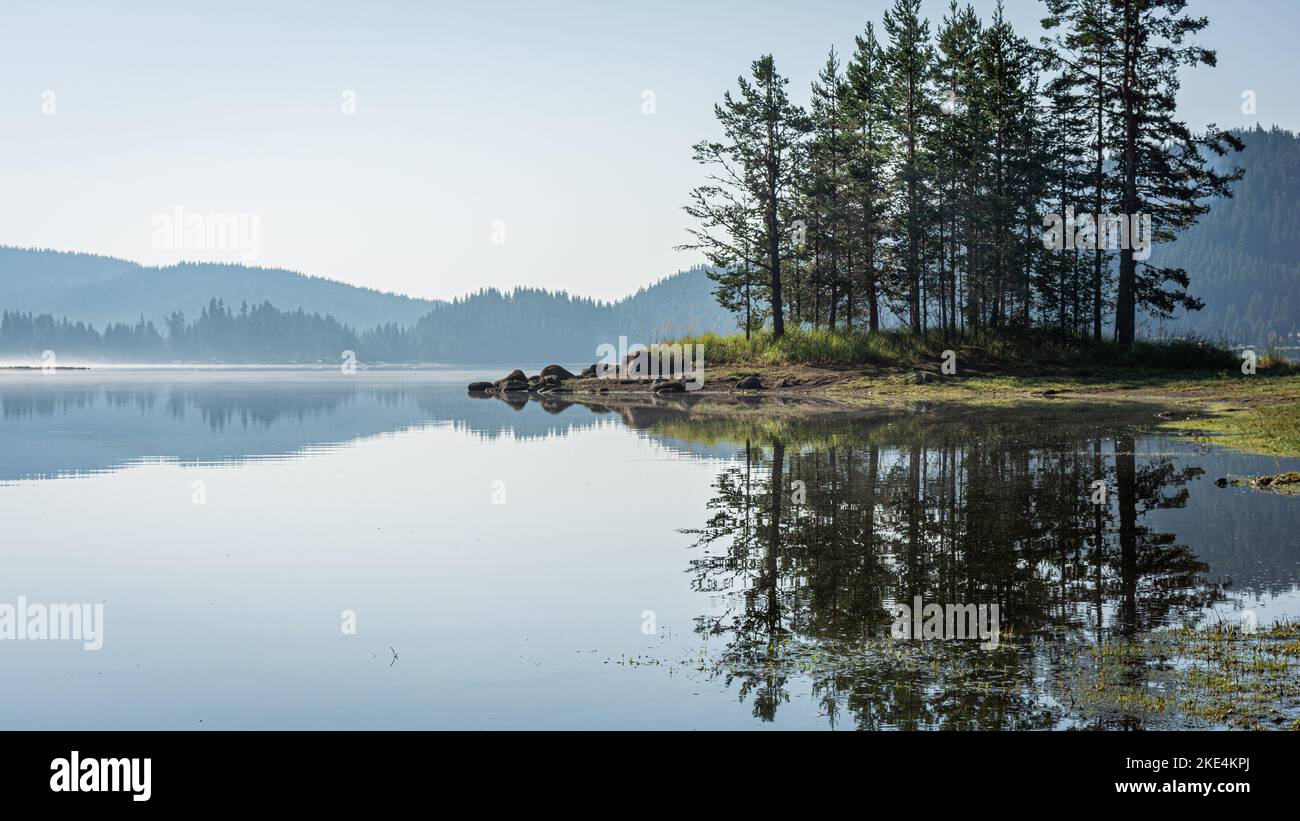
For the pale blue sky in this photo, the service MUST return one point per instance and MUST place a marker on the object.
(527, 113)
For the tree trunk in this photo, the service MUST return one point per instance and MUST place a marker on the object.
(1126, 299)
(1098, 204)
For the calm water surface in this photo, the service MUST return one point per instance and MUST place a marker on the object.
(565, 566)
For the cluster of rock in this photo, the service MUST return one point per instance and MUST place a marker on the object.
(549, 380)
(1287, 483)
(552, 378)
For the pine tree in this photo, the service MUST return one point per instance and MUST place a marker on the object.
(958, 148)
(756, 163)
(1159, 162)
(729, 235)
(1083, 92)
(910, 62)
(868, 167)
(1007, 100)
(827, 185)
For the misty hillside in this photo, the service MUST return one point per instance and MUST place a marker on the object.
(487, 327)
(529, 324)
(1244, 256)
(101, 290)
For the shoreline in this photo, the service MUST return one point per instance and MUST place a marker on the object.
(1258, 413)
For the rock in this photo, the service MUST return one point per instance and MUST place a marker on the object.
(516, 377)
(1222, 481)
(749, 383)
(558, 371)
(1286, 483)
(671, 386)
(481, 387)
(512, 386)
(1280, 480)
(588, 372)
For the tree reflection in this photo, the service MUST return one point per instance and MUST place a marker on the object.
(816, 531)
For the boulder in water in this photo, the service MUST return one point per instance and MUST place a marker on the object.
(558, 371)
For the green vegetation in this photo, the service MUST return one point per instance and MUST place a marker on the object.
(1195, 386)
(1271, 428)
(1218, 676)
(799, 346)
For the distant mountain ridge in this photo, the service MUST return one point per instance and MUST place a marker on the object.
(94, 308)
(100, 290)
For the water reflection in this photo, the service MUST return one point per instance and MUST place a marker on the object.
(815, 525)
(78, 424)
(818, 530)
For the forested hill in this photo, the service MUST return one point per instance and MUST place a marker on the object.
(528, 324)
(101, 290)
(524, 325)
(1244, 255)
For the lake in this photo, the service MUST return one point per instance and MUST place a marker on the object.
(311, 549)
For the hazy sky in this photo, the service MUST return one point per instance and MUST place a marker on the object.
(520, 121)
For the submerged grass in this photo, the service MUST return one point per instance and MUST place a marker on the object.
(1217, 676)
(1271, 428)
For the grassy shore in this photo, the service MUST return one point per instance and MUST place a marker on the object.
(1197, 386)
(1269, 424)
(900, 349)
